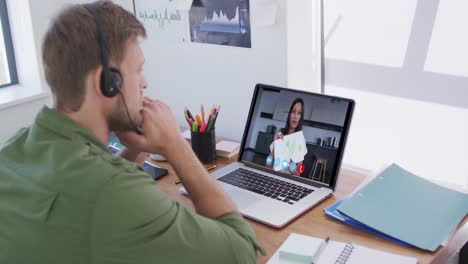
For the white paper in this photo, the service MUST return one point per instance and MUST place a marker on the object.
(166, 20)
(266, 12)
(291, 147)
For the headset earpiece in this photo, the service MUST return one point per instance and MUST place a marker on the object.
(116, 78)
(112, 83)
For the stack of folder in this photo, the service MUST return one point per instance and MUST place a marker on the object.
(402, 207)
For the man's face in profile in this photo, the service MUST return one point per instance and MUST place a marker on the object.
(133, 85)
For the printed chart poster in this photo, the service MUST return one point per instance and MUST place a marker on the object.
(166, 20)
(221, 22)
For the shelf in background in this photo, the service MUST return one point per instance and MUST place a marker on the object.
(266, 115)
(327, 147)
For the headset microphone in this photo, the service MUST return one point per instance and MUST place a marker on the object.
(111, 78)
(136, 128)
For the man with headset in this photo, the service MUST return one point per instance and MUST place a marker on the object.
(64, 198)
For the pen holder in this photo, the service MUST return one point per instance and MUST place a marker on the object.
(204, 146)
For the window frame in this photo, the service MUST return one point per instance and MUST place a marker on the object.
(8, 42)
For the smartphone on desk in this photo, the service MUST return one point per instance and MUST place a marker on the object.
(153, 170)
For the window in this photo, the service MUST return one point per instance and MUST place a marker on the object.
(8, 74)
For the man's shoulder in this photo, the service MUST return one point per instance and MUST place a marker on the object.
(59, 164)
(92, 167)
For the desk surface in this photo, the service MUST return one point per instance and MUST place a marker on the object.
(313, 222)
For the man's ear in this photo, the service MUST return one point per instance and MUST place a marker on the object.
(94, 80)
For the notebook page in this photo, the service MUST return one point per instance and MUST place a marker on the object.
(362, 254)
(344, 253)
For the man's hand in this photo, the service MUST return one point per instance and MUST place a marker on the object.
(161, 130)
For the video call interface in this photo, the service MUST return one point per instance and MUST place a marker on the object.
(296, 133)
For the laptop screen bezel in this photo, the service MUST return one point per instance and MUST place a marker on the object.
(340, 150)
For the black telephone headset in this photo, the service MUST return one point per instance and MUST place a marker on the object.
(111, 78)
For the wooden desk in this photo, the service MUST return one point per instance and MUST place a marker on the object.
(314, 222)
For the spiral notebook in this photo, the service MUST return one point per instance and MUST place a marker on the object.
(347, 253)
(294, 251)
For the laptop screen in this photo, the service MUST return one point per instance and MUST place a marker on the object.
(296, 134)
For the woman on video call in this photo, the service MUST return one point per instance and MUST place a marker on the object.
(293, 124)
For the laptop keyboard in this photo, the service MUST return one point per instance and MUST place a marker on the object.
(267, 186)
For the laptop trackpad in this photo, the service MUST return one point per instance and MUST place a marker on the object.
(242, 199)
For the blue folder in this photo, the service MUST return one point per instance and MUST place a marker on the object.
(335, 214)
(407, 207)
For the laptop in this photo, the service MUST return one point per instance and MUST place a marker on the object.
(268, 185)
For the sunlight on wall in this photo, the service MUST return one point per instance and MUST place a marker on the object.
(448, 52)
(368, 31)
(426, 138)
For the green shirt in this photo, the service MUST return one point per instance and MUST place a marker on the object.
(64, 198)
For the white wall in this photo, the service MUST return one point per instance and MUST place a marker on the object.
(14, 118)
(404, 62)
